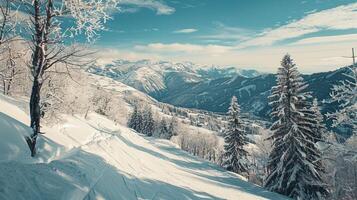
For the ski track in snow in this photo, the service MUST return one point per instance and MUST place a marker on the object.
(97, 159)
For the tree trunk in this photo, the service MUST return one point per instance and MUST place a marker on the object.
(11, 79)
(4, 85)
(35, 113)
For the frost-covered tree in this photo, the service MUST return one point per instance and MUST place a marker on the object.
(345, 94)
(52, 26)
(172, 129)
(320, 128)
(342, 157)
(341, 168)
(293, 167)
(10, 67)
(204, 144)
(60, 94)
(163, 129)
(8, 55)
(101, 101)
(235, 139)
(259, 157)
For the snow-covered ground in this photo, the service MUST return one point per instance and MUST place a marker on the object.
(95, 158)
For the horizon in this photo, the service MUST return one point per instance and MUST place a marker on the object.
(207, 66)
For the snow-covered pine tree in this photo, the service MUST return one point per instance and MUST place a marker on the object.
(293, 169)
(320, 136)
(345, 94)
(235, 157)
(148, 123)
(135, 119)
(320, 128)
(163, 130)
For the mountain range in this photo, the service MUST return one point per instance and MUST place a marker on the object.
(211, 87)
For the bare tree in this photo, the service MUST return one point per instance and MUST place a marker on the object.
(7, 21)
(7, 27)
(10, 67)
(48, 41)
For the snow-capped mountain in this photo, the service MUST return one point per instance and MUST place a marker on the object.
(207, 87)
(252, 93)
(210, 88)
(155, 78)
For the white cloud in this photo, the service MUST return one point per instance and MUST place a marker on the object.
(183, 48)
(187, 30)
(314, 57)
(225, 32)
(159, 7)
(339, 18)
(327, 39)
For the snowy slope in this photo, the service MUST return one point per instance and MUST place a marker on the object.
(97, 159)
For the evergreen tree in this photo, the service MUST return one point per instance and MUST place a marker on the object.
(293, 167)
(163, 129)
(135, 119)
(235, 139)
(320, 129)
(148, 123)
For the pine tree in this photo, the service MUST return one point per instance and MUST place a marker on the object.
(135, 120)
(163, 129)
(148, 123)
(320, 129)
(320, 135)
(235, 139)
(293, 167)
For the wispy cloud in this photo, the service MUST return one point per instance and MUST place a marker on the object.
(185, 31)
(310, 58)
(224, 33)
(183, 48)
(160, 7)
(339, 18)
(327, 39)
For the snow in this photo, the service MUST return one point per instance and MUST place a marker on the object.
(247, 89)
(151, 77)
(12, 144)
(95, 158)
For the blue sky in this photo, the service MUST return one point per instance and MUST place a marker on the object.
(242, 33)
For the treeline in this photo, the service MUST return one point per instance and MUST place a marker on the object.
(142, 120)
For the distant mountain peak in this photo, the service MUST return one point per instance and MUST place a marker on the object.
(158, 77)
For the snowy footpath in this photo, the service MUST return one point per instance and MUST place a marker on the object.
(94, 158)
